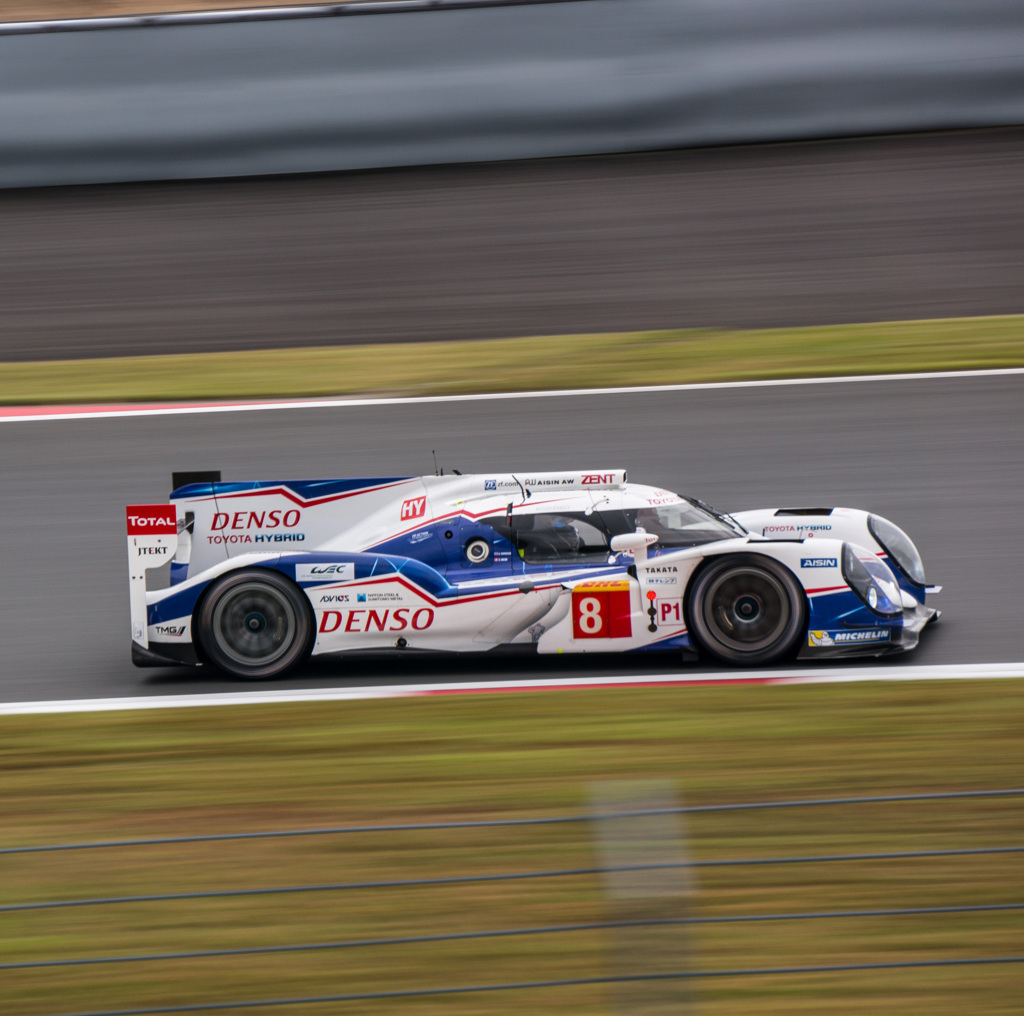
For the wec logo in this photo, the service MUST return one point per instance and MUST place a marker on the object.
(414, 508)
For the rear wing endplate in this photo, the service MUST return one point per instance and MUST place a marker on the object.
(152, 541)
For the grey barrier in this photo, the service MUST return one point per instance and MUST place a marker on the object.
(416, 82)
(647, 891)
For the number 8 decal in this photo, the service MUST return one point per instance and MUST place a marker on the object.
(601, 610)
(589, 615)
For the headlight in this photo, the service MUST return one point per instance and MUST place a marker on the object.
(871, 580)
(899, 547)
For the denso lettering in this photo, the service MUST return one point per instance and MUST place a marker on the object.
(373, 620)
(257, 520)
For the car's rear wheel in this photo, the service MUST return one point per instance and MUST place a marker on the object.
(746, 610)
(255, 624)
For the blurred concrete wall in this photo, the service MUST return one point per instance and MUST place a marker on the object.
(169, 98)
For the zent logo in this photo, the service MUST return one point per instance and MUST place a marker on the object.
(156, 519)
(414, 508)
(590, 478)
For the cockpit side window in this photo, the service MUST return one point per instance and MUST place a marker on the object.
(554, 537)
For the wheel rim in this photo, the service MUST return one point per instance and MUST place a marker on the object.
(254, 624)
(747, 610)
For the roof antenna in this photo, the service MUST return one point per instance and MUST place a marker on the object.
(437, 471)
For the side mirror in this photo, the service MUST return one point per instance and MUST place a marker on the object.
(635, 544)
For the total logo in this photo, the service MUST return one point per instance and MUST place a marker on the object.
(145, 519)
(374, 620)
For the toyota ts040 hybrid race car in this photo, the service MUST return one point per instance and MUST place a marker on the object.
(252, 578)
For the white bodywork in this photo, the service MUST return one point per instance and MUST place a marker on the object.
(634, 597)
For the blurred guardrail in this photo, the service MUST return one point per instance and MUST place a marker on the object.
(413, 82)
(642, 867)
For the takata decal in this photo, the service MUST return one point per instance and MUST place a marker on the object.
(819, 562)
(414, 508)
(147, 519)
(840, 638)
(370, 620)
(343, 572)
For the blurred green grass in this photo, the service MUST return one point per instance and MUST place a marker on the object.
(525, 364)
(123, 775)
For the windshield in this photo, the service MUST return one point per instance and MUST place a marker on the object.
(676, 525)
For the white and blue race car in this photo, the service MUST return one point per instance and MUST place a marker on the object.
(251, 578)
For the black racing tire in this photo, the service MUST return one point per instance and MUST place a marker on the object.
(746, 609)
(255, 624)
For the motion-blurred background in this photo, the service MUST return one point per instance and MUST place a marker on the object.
(424, 198)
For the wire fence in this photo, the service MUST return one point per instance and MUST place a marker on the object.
(614, 830)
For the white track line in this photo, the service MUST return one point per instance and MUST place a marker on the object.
(23, 414)
(951, 672)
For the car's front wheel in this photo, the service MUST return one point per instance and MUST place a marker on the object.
(746, 610)
(255, 624)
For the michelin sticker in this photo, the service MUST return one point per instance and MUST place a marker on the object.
(841, 638)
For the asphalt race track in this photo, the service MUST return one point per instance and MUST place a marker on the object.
(942, 457)
(768, 235)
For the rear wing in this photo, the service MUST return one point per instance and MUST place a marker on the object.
(152, 541)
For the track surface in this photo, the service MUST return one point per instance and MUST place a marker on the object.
(942, 457)
(773, 235)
